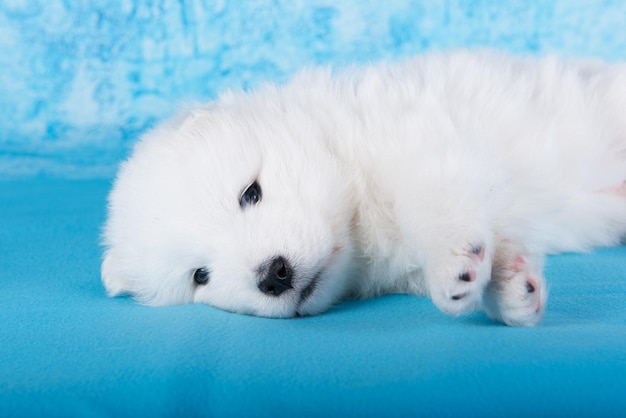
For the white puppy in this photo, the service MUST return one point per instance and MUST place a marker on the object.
(449, 175)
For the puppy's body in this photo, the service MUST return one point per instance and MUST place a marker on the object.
(448, 175)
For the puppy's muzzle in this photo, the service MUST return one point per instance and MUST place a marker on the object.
(275, 276)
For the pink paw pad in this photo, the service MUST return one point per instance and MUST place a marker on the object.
(468, 276)
(479, 252)
(519, 264)
(531, 285)
(459, 297)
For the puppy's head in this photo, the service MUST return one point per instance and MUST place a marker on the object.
(238, 205)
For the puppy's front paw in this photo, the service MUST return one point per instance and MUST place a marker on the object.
(457, 281)
(517, 293)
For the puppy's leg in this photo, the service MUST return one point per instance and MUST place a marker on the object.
(517, 293)
(449, 235)
(446, 221)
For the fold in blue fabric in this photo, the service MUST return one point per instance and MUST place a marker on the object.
(66, 349)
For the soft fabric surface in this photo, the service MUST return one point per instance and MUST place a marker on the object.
(81, 79)
(68, 350)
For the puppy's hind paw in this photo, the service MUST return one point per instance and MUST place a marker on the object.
(517, 294)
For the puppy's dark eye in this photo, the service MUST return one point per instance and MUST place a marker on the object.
(201, 276)
(251, 196)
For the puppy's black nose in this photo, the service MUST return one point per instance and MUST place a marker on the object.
(276, 277)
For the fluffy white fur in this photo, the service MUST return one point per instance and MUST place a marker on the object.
(448, 175)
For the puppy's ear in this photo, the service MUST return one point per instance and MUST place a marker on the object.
(113, 280)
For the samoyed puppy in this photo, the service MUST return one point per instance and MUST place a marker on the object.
(450, 175)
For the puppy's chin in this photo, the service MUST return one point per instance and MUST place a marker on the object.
(312, 307)
(283, 307)
(326, 292)
(276, 309)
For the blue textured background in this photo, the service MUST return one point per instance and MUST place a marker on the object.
(79, 80)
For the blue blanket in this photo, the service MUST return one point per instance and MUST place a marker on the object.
(68, 350)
